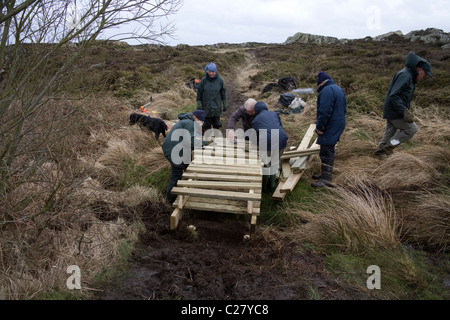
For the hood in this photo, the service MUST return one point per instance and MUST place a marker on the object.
(184, 116)
(259, 107)
(211, 67)
(412, 60)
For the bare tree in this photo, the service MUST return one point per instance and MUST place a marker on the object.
(26, 82)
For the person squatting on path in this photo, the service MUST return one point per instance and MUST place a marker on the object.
(182, 138)
(246, 113)
(272, 140)
(212, 97)
(400, 124)
(331, 112)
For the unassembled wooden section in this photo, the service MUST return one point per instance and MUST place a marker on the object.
(222, 177)
(291, 174)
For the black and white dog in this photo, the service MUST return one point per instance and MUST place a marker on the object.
(155, 125)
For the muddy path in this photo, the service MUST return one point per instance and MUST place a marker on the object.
(215, 262)
(218, 264)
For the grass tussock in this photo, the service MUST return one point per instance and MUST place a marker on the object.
(353, 219)
(428, 224)
(403, 171)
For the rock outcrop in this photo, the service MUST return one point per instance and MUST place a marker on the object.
(428, 36)
(300, 37)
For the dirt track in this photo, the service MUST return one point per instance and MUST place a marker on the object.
(220, 264)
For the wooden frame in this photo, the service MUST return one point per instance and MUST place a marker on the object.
(291, 174)
(216, 182)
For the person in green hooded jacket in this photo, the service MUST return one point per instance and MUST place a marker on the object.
(400, 124)
(212, 97)
(177, 146)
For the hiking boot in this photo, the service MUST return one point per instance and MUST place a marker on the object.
(321, 184)
(317, 176)
(325, 178)
(388, 150)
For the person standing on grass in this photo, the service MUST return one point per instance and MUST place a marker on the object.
(212, 97)
(331, 112)
(178, 145)
(400, 124)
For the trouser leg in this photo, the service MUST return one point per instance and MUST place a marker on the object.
(176, 173)
(405, 131)
(215, 121)
(326, 155)
(389, 132)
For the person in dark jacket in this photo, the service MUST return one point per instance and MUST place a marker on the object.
(272, 140)
(400, 124)
(246, 113)
(178, 145)
(212, 97)
(331, 112)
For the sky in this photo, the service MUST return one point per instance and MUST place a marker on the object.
(203, 22)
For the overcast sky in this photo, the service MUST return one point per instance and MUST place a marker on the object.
(201, 22)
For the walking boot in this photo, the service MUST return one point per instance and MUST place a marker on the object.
(317, 176)
(325, 180)
(386, 150)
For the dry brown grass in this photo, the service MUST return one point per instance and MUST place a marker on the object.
(428, 222)
(65, 215)
(354, 219)
(403, 171)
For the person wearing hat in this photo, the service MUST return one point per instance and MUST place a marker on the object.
(212, 97)
(179, 143)
(331, 112)
(400, 124)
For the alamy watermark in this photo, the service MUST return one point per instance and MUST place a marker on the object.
(374, 281)
(374, 20)
(74, 281)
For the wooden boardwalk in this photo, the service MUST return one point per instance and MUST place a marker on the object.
(225, 177)
(222, 177)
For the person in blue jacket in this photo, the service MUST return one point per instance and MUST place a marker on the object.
(331, 112)
(268, 127)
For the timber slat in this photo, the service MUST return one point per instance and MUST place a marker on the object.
(217, 194)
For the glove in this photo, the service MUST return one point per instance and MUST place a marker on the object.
(199, 105)
(408, 116)
(225, 105)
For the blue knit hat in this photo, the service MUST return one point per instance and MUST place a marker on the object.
(200, 114)
(211, 67)
(321, 77)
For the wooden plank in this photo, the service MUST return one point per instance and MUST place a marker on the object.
(214, 207)
(175, 218)
(224, 170)
(223, 202)
(182, 201)
(241, 162)
(289, 185)
(217, 194)
(221, 177)
(250, 204)
(299, 153)
(278, 195)
(220, 185)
